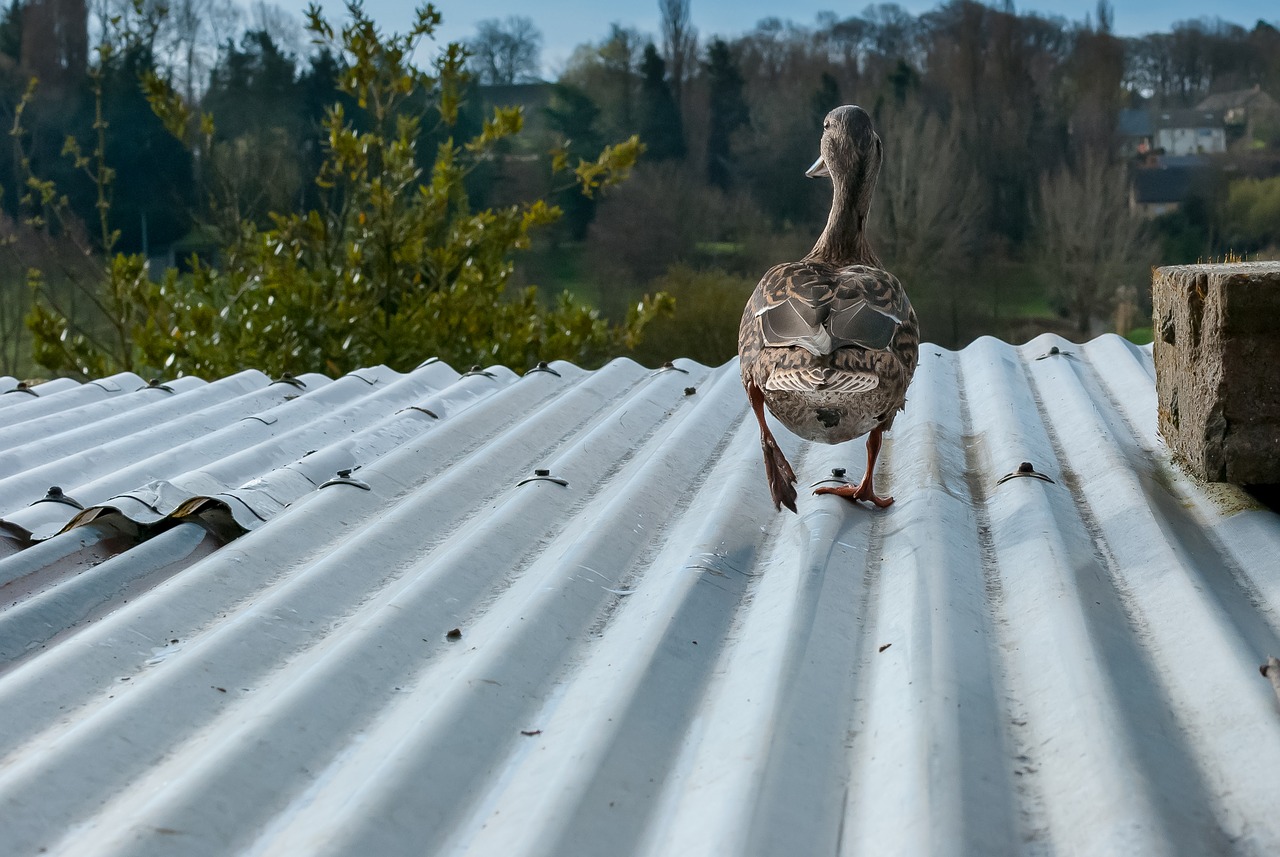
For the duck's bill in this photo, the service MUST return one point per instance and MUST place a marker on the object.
(819, 168)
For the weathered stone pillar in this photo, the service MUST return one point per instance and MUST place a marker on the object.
(1217, 356)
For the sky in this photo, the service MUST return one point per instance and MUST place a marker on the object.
(566, 24)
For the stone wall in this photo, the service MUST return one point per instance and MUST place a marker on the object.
(1217, 358)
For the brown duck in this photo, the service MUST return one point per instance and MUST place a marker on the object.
(830, 342)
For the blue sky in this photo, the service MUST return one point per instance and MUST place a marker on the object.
(567, 23)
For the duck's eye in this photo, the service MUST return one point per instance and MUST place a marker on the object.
(826, 126)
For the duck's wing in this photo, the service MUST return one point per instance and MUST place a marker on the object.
(821, 308)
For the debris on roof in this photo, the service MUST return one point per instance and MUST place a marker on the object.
(439, 612)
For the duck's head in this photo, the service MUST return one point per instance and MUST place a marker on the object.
(850, 149)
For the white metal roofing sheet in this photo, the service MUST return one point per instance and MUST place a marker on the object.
(442, 649)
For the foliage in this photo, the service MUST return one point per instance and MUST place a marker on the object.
(100, 295)
(392, 267)
(660, 125)
(665, 217)
(704, 326)
(1091, 245)
(728, 111)
(573, 116)
(679, 45)
(1252, 220)
(606, 74)
(926, 222)
(977, 104)
(506, 52)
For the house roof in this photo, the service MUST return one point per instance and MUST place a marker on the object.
(1223, 101)
(351, 616)
(1162, 119)
(1162, 184)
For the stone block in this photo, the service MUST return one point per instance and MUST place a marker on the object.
(1217, 356)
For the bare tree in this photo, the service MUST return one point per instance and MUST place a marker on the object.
(186, 35)
(196, 29)
(508, 51)
(281, 25)
(928, 216)
(1091, 245)
(679, 45)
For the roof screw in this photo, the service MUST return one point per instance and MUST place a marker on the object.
(668, 365)
(477, 368)
(689, 391)
(1025, 467)
(837, 472)
(54, 492)
(344, 473)
(1055, 350)
(542, 364)
(154, 382)
(542, 472)
(22, 385)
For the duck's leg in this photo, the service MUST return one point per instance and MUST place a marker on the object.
(776, 468)
(863, 490)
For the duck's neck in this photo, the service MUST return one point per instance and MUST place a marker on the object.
(844, 241)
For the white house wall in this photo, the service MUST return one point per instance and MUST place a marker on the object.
(1191, 141)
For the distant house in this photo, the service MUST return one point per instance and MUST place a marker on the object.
(1189, 132)
(1251, 117)
(1159, 190)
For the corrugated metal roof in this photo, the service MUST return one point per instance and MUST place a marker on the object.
(235, 649)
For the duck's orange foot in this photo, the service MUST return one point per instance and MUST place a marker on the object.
(779, 473)
(853, 493)
(776, 467)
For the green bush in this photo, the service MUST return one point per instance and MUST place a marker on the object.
(704, 326)
(1252, 217)
(392, 268)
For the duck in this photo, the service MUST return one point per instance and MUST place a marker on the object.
(829, 343)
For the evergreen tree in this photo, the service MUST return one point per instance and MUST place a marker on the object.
(825, 98)
(660, 125)
(260, 159)
(728, 111)
(151, 195)
(255, 87)
(55, 41)
(574, 115)
(11, 31)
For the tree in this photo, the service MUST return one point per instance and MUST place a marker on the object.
(1096, 69)
(660, 125)
(704, 326)
(926, 222)
(573, 116)
(256, 102)
(151, 195)
(188, 43)
(679, 45)
(1090, 244)
(728, 111)
(11, 31)
(825, 98)
(506, 52)
(606, 73)
(55, 41)
(1252, 220)
(394, 266)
